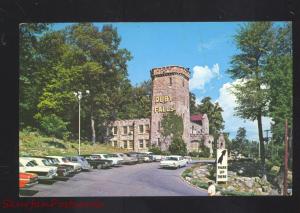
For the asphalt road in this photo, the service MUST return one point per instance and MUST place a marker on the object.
(130, 180)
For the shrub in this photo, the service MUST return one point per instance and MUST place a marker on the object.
(194, 154)
(187, 173)
(178, 147)
(53, 125)
(205, 152)
(155, 150)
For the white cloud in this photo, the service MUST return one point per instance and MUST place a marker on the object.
(227, 101)
(203, 75)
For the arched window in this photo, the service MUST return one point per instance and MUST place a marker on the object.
(170, 81)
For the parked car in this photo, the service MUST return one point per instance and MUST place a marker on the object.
(27, 180)
(173, 161)
(127, 159)
(145, 157)
(55, 162)
(188, 159)
(82, 161)
(64, 161)
(97, 163)
(116, 161)
(142, 157)
(157, 157)
(44, 162)
(43, 172)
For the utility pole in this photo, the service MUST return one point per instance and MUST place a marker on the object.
(285, 159)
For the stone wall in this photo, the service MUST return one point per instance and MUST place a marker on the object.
(130, 134)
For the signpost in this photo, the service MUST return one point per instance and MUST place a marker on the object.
(222, 165)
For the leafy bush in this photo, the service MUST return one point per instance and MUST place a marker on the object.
(52, 125)
(187, 173)
(236, 193)
(205, 152)
(212, 171)
(178, 147)
(194, 154)
(156, 150)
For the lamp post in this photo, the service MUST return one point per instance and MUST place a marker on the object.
(78, 95)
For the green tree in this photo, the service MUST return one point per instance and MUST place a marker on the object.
(214, 114)
(193, 105)
(280, 80)
(178, 147)
(29, 65)
(54, 126)
(91, 60)
(254, 41)
(172, 125)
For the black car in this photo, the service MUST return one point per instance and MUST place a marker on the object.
(96, 162)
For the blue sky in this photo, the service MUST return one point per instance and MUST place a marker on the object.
(204, 47)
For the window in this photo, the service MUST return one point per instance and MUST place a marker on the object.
(125, 132)
(141, 128)
(130, 144)
(115, 129)
(115, 143)
(158, 142)
(141, 142)
(131, 129)
(147, 143)
(170, 81)
(147, 128)
(125, 144)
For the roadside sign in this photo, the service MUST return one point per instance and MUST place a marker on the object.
(221, 165)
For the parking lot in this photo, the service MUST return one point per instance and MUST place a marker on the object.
(145, 179)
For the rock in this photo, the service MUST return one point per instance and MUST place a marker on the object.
(249, 183)
(240, 172)
(231, 188)
(259, 190)
(275, 169)
(273, 192)
(231, 173)
(265, 188)
(218, 193)
(188, 178)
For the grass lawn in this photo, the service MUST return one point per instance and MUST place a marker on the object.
(34, 144)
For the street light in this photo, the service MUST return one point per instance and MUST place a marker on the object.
(78, 95)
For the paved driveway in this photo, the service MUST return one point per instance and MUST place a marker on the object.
(130, 180)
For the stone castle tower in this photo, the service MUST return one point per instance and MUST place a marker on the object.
(170, 92)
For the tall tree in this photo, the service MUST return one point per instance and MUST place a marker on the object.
(280, 80)
(193, 105)
(214, 113)
(254, 40)
(92, 60)
(29, 66)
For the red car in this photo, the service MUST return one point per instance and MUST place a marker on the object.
(27, 180)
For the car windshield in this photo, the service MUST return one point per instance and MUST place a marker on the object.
(65, 160)
(34, 162)
(172, 158)
(30, 164)
(46, 163)
(112, 155)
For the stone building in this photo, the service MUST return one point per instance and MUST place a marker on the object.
(170, 92)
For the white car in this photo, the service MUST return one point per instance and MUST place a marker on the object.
(116, 161)
(173, 161)
(157, 157)
(64, 161)
(188, 159)
(43, 172)
(127, 159)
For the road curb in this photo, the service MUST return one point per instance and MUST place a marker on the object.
(191, 183)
